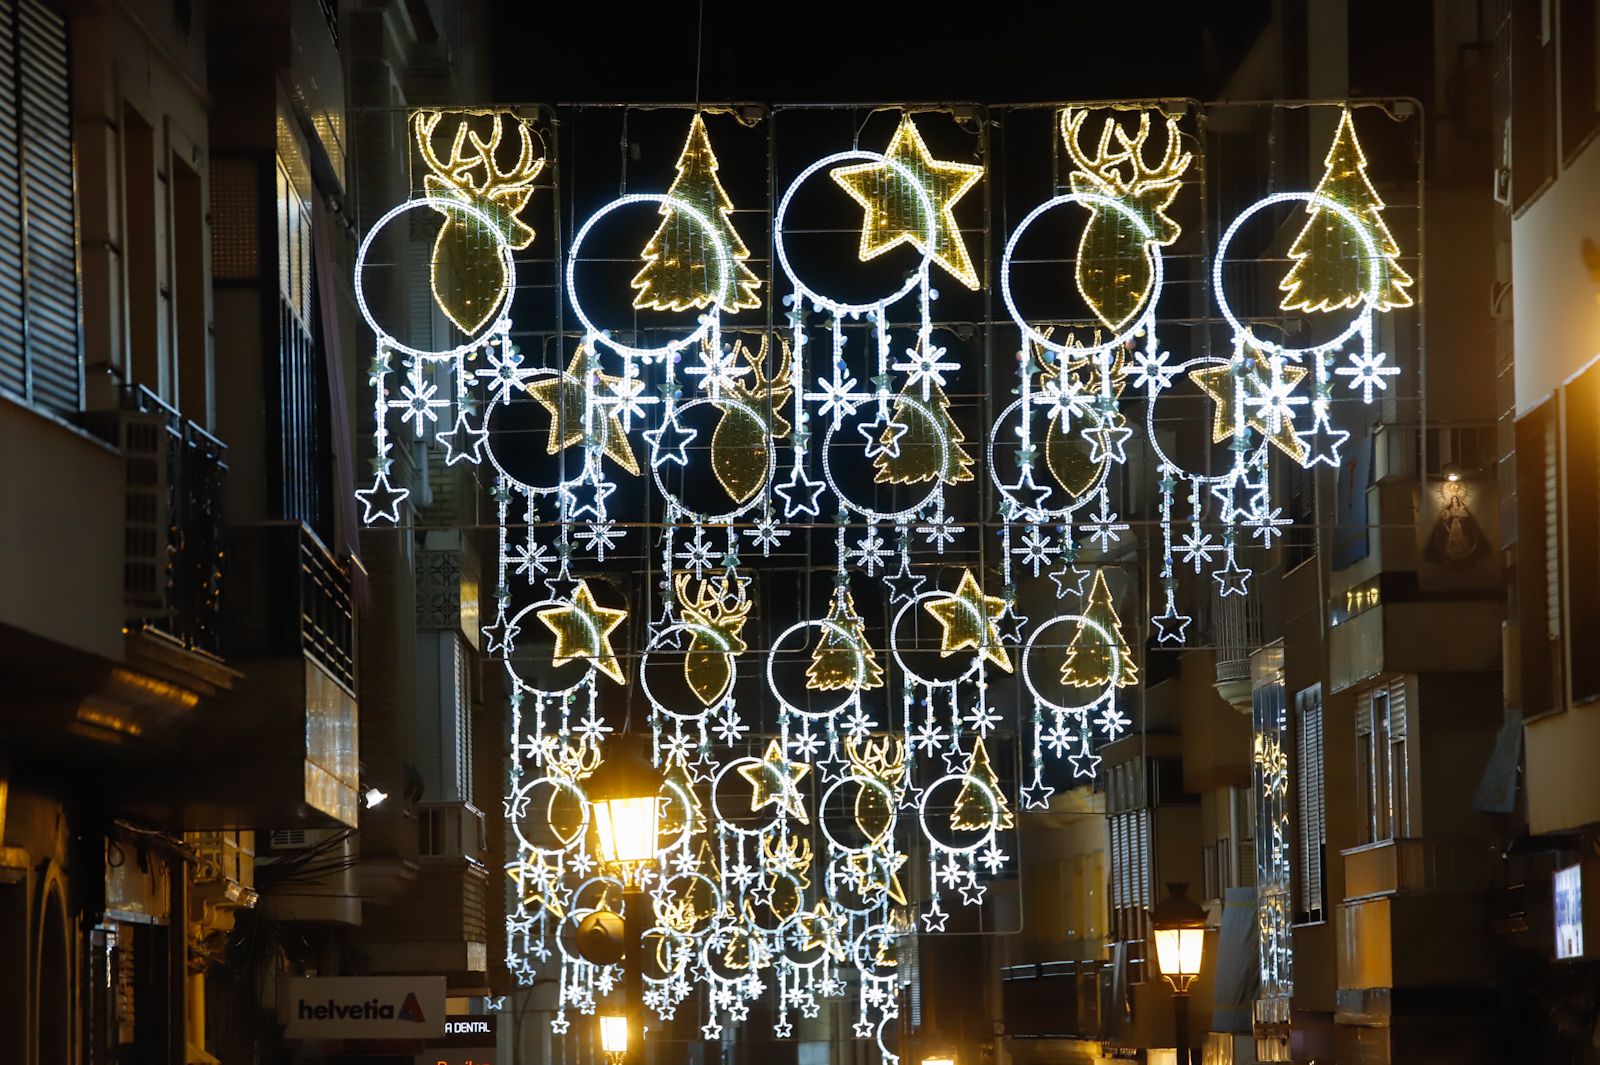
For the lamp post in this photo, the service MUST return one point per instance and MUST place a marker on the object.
(1180, 930)
(624, 810)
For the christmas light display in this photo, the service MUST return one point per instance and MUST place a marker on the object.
(812, 737)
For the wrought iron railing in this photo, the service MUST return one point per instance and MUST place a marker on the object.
(297, 598)
(176, 477)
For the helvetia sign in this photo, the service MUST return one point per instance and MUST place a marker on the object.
(336, 1007)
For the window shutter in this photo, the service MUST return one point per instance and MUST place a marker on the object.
(13, 357)
(1552, 532)
(50, 253)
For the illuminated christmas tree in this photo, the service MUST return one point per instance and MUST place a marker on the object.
(681, 268)
(1330, 268)
(980, 803)
(928, 447)
(843, 652)
(681, 808)
(1089, 660)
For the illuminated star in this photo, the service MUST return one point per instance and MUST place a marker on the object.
(1036, 796)
(895, 214)
(1322, 441)
(382, 501)
(1172, 625)
(566, 397)
(1221, 384)
(934, 919)
(1085, 761)
(799, 494)
(583, 630)
(968, 617)
(669, 442)
(773, 782)
(1232, 579)
(463, 442)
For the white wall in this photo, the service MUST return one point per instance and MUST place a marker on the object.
(1556, 302)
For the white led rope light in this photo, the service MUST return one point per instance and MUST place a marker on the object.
(838, 307)
(1313, 202)
(497, 321)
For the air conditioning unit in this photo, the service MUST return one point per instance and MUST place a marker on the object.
(290, 839)
(142, 436)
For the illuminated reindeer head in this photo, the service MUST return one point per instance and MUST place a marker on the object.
(468, 275)
(716, 614)
(882, 762)
(1114, 268)
(472, 172)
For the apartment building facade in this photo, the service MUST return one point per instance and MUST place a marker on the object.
(221, 751)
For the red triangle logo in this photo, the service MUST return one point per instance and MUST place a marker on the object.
(411, 1009)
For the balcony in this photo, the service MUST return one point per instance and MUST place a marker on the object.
(1414, 916)
(175, 479)
(1408, 866)
(440, 922)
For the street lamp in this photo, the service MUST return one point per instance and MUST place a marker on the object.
(1180, 930)
(940, 1059)
(625, 812)
(614, 1037)
(624, 799)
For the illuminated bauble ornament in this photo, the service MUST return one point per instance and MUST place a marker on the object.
(1330, 270)
(680, 269)
(467, 275)
(1114, 269)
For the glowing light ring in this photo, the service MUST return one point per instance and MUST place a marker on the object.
(684, 797)
(849, 310)
(875, 935)
(497, 321)
(894, 646)
(855, 691)
(1111, 680)
(680, 952)
(716, 804)
(1150, 425)
(717, 940)
(995, 810)
(502, 398)
(559, 783)
(872, 844)
(1313, 202)
(516, 679)
(1086, 199)
(831, 877)
(1038, 515)
(644, 663)
(737, 512)
(716, 890)
(889, 1056)
(712, 313)
(899, 515)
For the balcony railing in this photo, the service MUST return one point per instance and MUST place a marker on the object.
(173, 534)
(293, 597)
(1399, 866)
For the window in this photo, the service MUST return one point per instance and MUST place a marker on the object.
(1311, 837)
(141, 270)
(191, 320)
(1533, 98)
(40, 361)
(1579, 35)
(1383, 767)
(1300, 540)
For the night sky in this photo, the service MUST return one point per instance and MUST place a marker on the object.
(827, 51)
